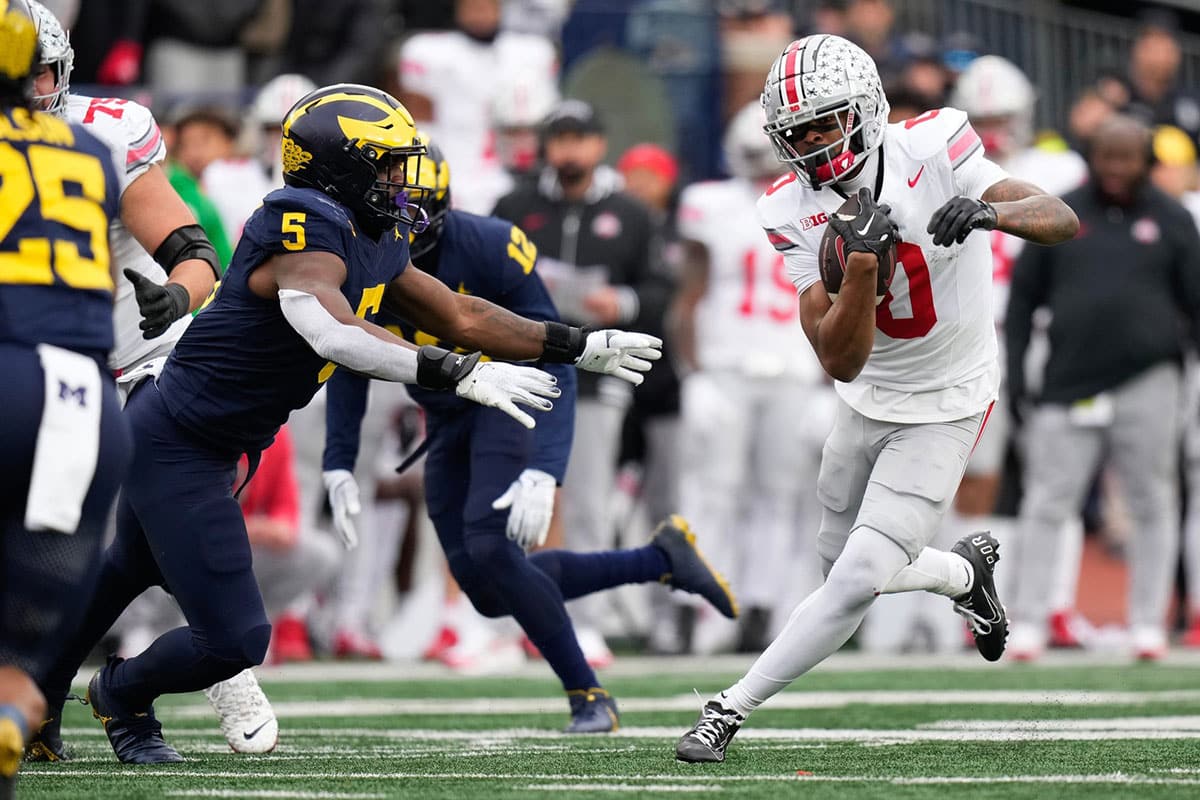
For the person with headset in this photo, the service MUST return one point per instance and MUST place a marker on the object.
(1112, 384)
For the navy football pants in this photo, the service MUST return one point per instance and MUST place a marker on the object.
(178, 526)
(45, 576)
(474, 455)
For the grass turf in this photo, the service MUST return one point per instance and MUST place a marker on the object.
(862, 741)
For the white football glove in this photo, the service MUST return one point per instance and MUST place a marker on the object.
(622, 354)
(531, 498)
(343, 499)
(501, 386)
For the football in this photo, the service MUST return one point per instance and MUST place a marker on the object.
(832, 256)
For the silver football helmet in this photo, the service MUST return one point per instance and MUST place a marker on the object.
(748, 151)
(999, 101)
(57, 53)
(824, 77)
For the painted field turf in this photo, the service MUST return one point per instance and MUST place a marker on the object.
(856, 728)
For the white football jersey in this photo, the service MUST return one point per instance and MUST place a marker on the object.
(934, 357)
(460, 75)
(1054, 173)
(748, 319)
(130, 130)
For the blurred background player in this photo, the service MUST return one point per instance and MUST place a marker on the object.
(449, 79)
(518, 106)
(747, 452)
(999, 101)
(64, 443)
(490, 484)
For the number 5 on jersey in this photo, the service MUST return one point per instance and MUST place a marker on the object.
(293, 231)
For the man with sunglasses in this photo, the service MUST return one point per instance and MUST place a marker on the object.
(915, 361)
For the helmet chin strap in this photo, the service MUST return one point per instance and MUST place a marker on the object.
(866, 176)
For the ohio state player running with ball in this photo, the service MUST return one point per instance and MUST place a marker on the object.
(916, 369)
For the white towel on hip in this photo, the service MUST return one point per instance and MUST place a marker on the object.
(68, 441)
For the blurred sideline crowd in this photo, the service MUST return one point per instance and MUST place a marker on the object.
(624, 138)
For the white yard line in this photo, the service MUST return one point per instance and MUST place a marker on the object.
(664, 779)
(272, 793)
(790, 701)
(1081, 730)
(632, 666)
(621, 787)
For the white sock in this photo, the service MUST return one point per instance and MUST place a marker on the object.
(936, 571)
(821, 624)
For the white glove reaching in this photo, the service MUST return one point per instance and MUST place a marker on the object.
(501, 386)
(531, 498)
(622, 354)
(343, 499)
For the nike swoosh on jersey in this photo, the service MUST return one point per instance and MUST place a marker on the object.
(913, 180)
(253, 733)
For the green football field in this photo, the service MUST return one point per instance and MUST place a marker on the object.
(857, 727)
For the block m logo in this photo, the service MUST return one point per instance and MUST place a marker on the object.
(68, 393)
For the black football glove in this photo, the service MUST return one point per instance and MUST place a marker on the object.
(872, 231)
(958, 217)
(160, 305)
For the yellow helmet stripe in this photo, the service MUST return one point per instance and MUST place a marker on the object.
(339, 96)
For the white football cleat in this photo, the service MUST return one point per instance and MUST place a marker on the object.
(1149, 643)
(1026, 642)
(247, 719)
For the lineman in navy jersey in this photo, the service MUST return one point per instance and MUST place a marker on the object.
(64, 445)
(296, 303)
(489, 483)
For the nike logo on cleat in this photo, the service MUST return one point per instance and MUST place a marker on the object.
(253, 733)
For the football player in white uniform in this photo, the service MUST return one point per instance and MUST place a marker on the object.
(449, 79)
(169, 269)
(999, 102)
(915, 362)
(745, 453)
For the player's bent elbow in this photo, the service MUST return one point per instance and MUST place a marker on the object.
(842, 368)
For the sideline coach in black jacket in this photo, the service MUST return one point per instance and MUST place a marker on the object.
(1123, 296)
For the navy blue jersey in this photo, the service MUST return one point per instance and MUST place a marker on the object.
(58, 191)
(240, 369)
(489, 258)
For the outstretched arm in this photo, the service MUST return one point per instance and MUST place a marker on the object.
(476, 324)
(1024, 210)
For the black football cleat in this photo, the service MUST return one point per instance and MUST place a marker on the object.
(706, 741)
(980, 606)
(136, 736)
(690, 570)
(592, 711)
(47, 744)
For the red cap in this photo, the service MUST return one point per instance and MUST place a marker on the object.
(651, 157)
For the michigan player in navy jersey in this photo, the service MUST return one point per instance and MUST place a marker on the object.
(490, 483)
(63, 444)
(307, 278)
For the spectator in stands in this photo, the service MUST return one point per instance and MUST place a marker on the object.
(593, 242)
(291, 562)
(205, 144)
(870, 25)
(1112, 384)
(826, 16)
(187, 183)
(751, 32)
(1155, 94)
(447, 81)
(1087, 113)
(337, 41)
